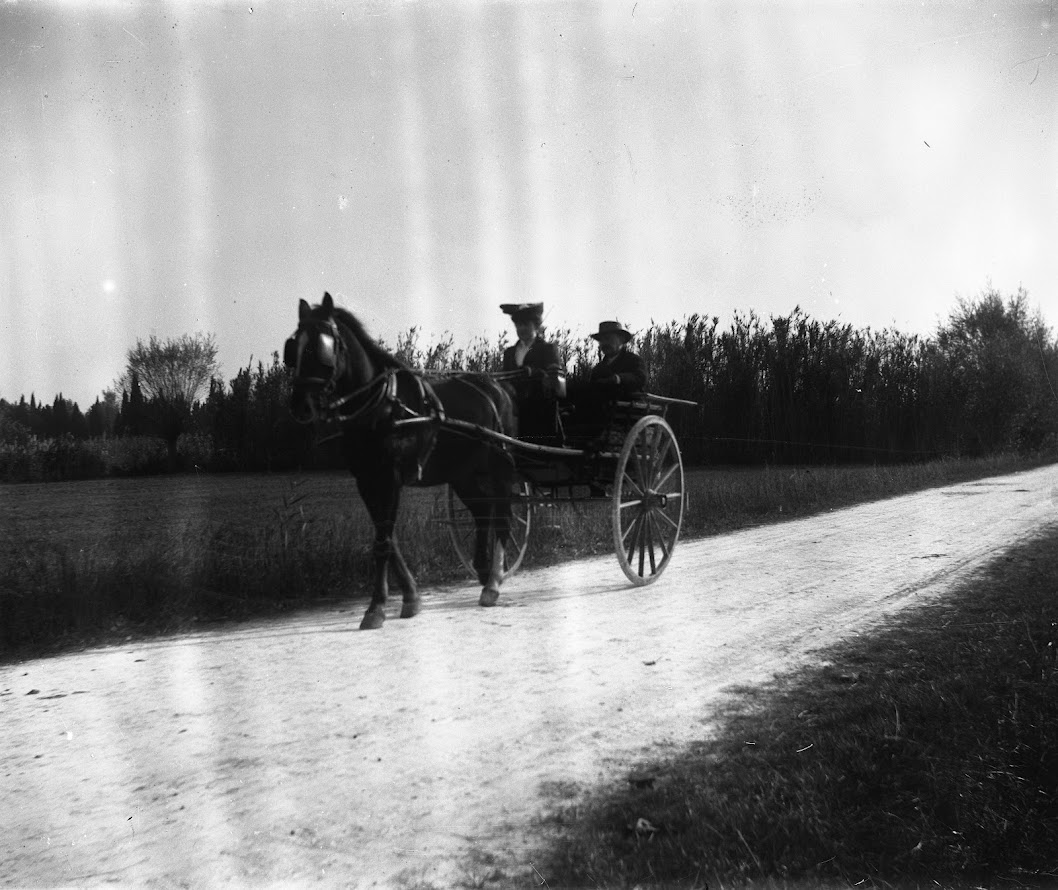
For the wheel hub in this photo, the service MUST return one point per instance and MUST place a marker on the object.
(655, 500)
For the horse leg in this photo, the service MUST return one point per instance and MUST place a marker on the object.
(490, 593)
(498, 521)
(483, 566)
(409, 589)
(382, 500)
(375, 615)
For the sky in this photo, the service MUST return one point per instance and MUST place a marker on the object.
(185, 167)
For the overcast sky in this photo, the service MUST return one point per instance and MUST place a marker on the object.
(183, 167)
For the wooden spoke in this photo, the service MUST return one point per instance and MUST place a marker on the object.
(643, 462)
(663, 452)
(663, 515)
(632, 484)
(668, 475)
(627, 531)
(649, 529)
(461, 531)
(661, 537)
(635, 529)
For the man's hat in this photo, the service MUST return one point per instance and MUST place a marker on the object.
(612, 327)
(524, 311)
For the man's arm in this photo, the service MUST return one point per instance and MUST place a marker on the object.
(631, 372)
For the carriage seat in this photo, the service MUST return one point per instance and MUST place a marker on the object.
(540, 421)
(603, 424)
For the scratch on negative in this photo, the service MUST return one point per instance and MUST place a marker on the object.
(543, 880)
(133, 36)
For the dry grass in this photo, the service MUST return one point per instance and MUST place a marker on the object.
(85, 560)
(923, 756)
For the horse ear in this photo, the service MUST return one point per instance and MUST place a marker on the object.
(328, 303)
(303, 310)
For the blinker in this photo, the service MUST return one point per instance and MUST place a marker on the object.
(290, 353)
(325, 352)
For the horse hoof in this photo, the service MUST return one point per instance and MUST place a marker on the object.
(373, 620)
(489, 596)
(410, 610)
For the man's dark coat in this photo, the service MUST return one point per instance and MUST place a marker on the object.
(626, 365)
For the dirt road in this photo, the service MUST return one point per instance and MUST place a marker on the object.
(304, 751)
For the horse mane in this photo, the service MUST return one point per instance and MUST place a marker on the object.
(368, 343)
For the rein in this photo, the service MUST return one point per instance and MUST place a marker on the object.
(380, 390)
(488, 398)
(378, 400)
(380, 383)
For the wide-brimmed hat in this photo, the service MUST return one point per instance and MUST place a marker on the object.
(612, 327)
(524, 311)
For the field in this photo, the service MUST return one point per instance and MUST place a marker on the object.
(86, 560)
(145, 512)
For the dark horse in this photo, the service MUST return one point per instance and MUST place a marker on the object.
(393, 430)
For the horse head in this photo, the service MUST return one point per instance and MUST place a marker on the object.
(326, 358)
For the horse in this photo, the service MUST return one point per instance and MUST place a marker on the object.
(392, 422)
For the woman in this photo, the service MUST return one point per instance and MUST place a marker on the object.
(531, 352)
(543, 378)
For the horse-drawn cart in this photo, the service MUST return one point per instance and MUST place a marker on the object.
(399, 427)
(634, 467)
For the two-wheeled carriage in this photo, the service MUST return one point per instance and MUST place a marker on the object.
(400, 427)
(634, 467)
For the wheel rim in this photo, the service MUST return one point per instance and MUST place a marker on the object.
(648, 500)
(461, 531)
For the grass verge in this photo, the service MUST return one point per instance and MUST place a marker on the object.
(925, 755)
(282, 545)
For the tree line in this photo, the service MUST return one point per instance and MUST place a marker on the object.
(789, 389)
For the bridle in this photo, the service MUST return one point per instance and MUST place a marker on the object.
(329, 353)
(366, 403)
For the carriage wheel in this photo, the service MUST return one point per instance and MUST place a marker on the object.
(461, 531)
(648, 500)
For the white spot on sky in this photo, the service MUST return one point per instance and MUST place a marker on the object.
(343, 202)
(109, 285)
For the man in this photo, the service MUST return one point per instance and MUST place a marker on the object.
(619, 374)
(544, 374)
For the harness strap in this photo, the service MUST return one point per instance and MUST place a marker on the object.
(431, 411)
(488, 397)
(383, 388)
(387, 378)
(431, 399)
